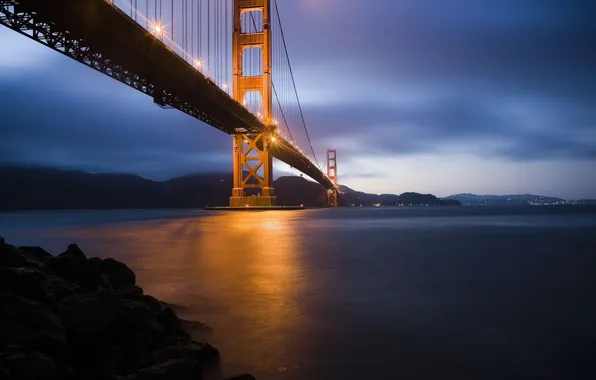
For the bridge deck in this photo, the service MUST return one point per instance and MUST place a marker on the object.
(99, 35)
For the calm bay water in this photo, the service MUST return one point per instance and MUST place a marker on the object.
(429, 293)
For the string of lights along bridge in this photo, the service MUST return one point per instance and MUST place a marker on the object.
(224, 62)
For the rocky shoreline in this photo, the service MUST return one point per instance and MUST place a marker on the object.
(72, 317)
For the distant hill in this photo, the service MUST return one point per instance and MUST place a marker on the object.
(357, 198)
(31, 188)
(587, 201)
(513, 200)
(34, 188)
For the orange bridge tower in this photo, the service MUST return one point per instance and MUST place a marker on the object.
(253, 167)
(332, 194)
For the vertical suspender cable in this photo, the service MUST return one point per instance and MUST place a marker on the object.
(192, 29)
(209, 34)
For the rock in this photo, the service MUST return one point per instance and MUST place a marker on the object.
(60, 288)
(92, 279)
(120, 275)
(75, 252)
(97, 314)
(151, 302)
(37, 253)
(73, 266)
(67, 267)
(243, 377)
(169, 320)
(103, 283)
(194, 326)
(69, 317)
(135, 290)
(25, 282)
(98, 321)
(34, 284)
(12, 257)
(174, 369)
(33, 325)
(206, 355)
(3, 372)
(95, 262)
(20, 363)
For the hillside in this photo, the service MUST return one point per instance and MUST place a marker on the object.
(26, 188)
(30, 188)
(357, 198)
(513, 200)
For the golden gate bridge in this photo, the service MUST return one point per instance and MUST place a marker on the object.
(224, 62)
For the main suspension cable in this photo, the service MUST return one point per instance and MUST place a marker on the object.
(294, 82)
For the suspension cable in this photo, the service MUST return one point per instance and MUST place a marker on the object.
(294, 82)
(275, 91)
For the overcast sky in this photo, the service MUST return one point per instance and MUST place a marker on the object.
(433, 96)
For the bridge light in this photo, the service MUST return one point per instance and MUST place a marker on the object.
(199, 63)
(224, 86)
(158, 29)
(273, 139)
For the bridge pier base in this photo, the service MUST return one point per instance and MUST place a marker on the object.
(332, 198)
(253, 174)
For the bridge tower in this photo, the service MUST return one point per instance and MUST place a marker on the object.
(251, 150)
(332, 175)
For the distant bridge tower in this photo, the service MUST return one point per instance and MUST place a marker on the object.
(332, 194)
(251, 150)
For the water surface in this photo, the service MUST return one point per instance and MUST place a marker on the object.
(420, 293)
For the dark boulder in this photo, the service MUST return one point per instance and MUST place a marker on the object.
(169, 320)
(153, 304)
(67, 267)
(97, 322)
(12, 257)
(92, 279)
(34, 284)
(25, 282)
(98, 315)
(174, 369)
(21, 363)
(242, 377)
(95, 262)
(76, 253)
(33, 325)
(69, 317)
(194, 326)
(119, 274)
(72, 265)
(37, 253)
(205, 354)
(134, 290)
